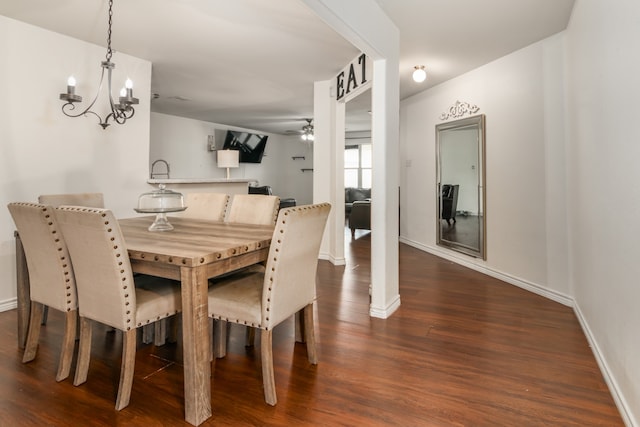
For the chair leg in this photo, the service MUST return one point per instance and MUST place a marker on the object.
(35, 320)
(68, 344)
(147, 333)
(84, 352)
(220, 338)
(126, 368)
(45, 315)
(250, 336)
(172, 328)
(309, 334)
(268, 377)
(160, 332)
(299, 326)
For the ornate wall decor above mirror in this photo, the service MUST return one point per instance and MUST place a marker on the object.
(460, 185)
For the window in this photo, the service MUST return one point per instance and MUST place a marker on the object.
(357, 166)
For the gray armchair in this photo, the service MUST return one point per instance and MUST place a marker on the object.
(352, 194)
(360, 217)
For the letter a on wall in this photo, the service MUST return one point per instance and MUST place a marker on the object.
(354, 78)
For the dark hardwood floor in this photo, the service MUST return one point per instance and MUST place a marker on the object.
(466, 230)
(463, 349)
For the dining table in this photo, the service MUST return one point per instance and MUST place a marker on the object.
(195, 251)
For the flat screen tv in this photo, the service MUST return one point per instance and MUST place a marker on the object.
(250, 145)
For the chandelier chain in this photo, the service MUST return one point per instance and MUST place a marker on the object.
(109, 51)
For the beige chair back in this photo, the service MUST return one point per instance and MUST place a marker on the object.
(253, 209)
(100, 260)
(290, 273)
(92, 200)
(51, 275)
(206, 206)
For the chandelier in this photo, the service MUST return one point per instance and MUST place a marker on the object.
(307, 131)
(121, 111)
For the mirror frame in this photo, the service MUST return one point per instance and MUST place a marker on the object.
(469, 122)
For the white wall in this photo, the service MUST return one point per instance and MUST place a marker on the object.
(604, 194)
(522, 142)
(42, 151)
(562, 197)
(183, 143)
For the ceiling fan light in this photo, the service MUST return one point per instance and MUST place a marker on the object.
(419, 74)
(307, 131)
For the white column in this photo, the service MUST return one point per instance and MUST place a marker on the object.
(328, 168)
(367, 27)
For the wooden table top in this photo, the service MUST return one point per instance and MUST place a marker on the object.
(192, 242)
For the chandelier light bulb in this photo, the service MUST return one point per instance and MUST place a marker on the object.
(128, 84)
(71, 81)
(123, 92)
(419, 75)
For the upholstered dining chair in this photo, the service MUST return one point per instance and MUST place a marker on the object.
(151, 333)
(260, 209)
(211, 206)
(253, 209)
(206, 206)
(262, 298)
(93, 200)
(107, 292)
(51, 277)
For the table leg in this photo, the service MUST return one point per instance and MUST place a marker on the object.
(196, 345)
(23, 292)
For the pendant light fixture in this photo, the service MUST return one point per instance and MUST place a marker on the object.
(120, 112)
(419, 74)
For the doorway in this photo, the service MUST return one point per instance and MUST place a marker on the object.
(358, 163)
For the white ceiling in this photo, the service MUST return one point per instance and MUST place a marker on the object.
(252, 63)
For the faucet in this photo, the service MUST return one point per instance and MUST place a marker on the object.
(154, 175)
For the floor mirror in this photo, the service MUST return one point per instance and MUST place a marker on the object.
(460, 146)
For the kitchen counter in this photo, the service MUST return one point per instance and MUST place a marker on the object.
(204, 185)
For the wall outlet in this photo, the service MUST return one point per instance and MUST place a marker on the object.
(211, 143)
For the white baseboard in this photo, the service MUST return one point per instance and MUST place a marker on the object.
(332, 260)
(559, 297)
(385, 312)
(618, 398)
(9, 304)
(468, 262)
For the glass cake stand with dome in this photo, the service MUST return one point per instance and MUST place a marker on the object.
(161, 202)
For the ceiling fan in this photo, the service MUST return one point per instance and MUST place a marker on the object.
(306, 133)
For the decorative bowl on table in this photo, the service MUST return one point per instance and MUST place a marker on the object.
(160, 202)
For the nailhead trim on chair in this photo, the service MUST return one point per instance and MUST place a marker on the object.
(118, 254)
(72, 301)
(148, 321)
(283, 221)
(273, 266)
